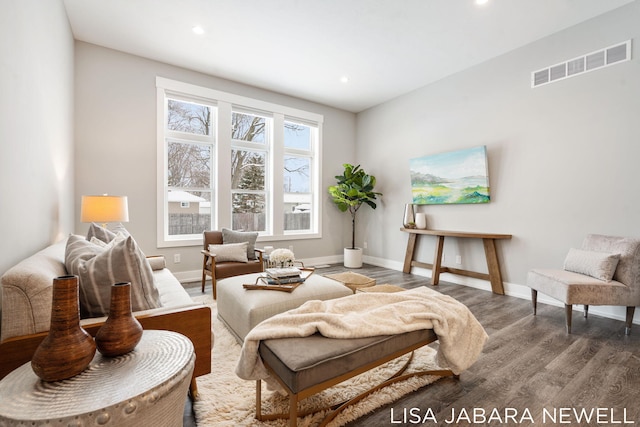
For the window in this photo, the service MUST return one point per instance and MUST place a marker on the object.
(250, 142)
(231, 161)
(189, 146)
(299, 140)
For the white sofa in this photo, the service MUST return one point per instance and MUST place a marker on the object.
(26, 309)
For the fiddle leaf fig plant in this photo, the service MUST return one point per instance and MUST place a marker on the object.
(354, 188)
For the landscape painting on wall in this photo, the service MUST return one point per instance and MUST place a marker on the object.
(453, 177)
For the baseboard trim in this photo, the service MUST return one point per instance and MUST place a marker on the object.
(512, 289)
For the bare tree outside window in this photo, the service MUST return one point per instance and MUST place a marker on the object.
(189, 164)
(248, 173)
(297, 176)
(247, 127)
(188, 117)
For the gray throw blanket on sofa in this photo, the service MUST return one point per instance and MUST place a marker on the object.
(460, 335)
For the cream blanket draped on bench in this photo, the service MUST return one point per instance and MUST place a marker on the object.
(460, 335)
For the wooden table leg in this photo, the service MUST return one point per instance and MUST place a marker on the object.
(293, 410)
(408, 256)
(259, 400)
(495, 277)
(437, 261)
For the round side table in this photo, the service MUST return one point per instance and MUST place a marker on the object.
(147, 386)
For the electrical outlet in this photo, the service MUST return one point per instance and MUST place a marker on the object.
(365, 244)
(458, 259)
(444, 257)
(176, 258)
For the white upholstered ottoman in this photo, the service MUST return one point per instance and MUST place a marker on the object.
(241, 310)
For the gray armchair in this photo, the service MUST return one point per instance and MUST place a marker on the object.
(605, 271)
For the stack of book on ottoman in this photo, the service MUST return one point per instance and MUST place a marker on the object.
(282, 276)
(281, 279)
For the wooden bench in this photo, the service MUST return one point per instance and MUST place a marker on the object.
(488, 240)
(325, 362)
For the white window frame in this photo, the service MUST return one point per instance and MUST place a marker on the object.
(221, 182)
(314, 164)
(267, 149)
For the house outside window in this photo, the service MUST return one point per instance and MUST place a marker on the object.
(230, 161)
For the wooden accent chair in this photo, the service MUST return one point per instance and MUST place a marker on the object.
(220, 270)
(605, 271)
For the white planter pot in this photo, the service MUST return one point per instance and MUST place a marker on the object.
(353, 257)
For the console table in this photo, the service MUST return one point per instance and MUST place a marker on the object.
(488, 240)
(147, 386)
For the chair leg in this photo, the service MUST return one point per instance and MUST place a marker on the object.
(568, 310)
(534, 300)
(630, 312)
(193, 389)
(213, 285)
(586, 310)
(204, 271)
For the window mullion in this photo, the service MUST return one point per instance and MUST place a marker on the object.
(223, 156)
(277, 175)
(316, 223)
(161, 166)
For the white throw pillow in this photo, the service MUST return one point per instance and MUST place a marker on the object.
(230, 252)
(599, 265)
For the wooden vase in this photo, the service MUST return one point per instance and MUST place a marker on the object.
(121, 332)
(67, 349)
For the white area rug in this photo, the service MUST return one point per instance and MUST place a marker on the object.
(226, 400)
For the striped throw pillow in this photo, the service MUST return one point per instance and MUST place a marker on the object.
(119, 262)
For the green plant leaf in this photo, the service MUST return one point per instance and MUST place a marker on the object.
(354, 187)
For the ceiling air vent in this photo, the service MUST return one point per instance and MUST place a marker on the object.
(592, 61)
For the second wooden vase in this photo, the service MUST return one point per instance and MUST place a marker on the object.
(67, 349)
(121, 331)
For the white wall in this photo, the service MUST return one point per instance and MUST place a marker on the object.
(563, 158)
(116, 144)
(36, 128)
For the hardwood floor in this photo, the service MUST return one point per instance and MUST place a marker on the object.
(529, 372)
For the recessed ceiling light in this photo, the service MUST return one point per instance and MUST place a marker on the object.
(481, 2)
(198, 30)
(344, 79)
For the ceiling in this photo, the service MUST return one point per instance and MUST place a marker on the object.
(304, 48)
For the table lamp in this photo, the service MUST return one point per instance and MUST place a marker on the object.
(103, 209)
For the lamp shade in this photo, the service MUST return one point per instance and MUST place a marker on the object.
(104, 209)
